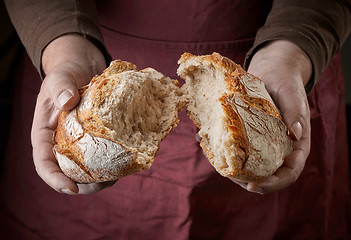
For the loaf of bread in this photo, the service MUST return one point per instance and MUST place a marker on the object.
(117, 127)
(242, 131)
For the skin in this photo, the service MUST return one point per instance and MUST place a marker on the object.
(285, 69)
(70, 61)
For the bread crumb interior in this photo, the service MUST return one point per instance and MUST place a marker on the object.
(141, 109)
(204, 90)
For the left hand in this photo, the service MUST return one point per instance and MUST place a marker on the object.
(285, 69)
(69, 62)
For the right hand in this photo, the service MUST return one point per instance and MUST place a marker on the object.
(69, 62)
(285, 84)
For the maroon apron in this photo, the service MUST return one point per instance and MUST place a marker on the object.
(181, 196)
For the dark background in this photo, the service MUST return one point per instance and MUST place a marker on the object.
(10, 53)
(346, 62)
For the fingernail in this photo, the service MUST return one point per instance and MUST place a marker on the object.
(67, 191)
(296, 130)
(255, 189)
(64, 97)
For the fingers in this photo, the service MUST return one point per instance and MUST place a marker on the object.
(241, 184)
(293, 104)
(283, 177)
(296, 115)
(44, 123)
(294, 163)
(45, 162)
(58, 92)
(94, 187)
(50, 172)
(48, 169)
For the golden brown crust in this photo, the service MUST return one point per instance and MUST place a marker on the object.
(233, 75)
(87, 143)
(236, 127)
(234, 84)
(257, 140)
(116, 67)
(67, 147)
(63, 143)
(74, 126)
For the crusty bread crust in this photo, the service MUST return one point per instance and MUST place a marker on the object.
(86, 157)
(242, 131)
(85, 146)
(254, 139)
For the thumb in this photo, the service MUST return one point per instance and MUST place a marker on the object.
(67, 98)
(62, 85)
(296, 130)
(295, 110)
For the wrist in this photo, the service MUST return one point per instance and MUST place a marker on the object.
(73, 49)
(283, 55)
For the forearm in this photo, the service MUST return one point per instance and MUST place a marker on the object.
(317, 27)
(75, 50)
(282, 53)
(39, 22)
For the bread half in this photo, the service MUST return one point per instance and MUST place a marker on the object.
(117, 128)
(242, 131)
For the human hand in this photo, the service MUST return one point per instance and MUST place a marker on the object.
(285, 69)
(69, 62)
